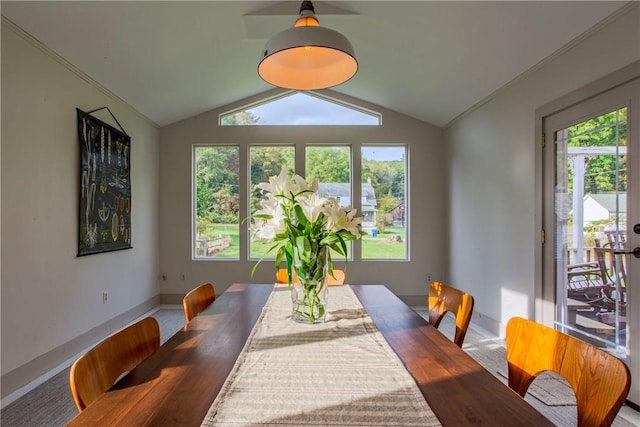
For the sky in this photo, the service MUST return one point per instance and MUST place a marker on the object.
(304, 109)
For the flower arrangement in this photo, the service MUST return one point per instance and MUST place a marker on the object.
(304, 228)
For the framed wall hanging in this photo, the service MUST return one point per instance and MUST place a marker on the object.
(105, 186)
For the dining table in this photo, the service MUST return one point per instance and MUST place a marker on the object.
(178, 384)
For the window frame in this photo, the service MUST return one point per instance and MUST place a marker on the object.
(355, 149)
(289, 93)
(194, 203)
(407, 198)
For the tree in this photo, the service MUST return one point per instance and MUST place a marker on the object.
(602, 170)
(240, 118)
(265, 162)
(217, 198)
(328, 164)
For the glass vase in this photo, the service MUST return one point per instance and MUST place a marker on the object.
(310, 293)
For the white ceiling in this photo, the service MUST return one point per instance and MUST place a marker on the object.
(430, 60)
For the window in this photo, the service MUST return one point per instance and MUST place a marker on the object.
(332, 167)
(382, 197)
(376, 185)
(383, 183)
(300, 108)
(266, 161)
(216, 177)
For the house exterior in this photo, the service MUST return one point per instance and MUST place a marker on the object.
(602, 206)
(342, 192)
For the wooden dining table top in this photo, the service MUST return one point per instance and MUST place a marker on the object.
(177, 385)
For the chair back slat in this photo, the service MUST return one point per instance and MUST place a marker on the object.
(282, 276)
(338, 277)
(444, 299)
(98, 369)
(600, 381)
(196, 300)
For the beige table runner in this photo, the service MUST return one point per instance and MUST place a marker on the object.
(339, 373)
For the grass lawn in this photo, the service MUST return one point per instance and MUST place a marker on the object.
(232, 230)
(379, 247)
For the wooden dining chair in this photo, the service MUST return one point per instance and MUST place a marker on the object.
(599, 380)
(443, 299)
(338, 277)
(282, 276)
(98, 369)
(197, 300)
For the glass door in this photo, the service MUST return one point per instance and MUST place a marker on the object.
(593, 191)
(591, 160)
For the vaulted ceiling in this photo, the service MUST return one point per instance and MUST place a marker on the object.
(427, 59)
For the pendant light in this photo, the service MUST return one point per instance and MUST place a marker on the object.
(307, 56)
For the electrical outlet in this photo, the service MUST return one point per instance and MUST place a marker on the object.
(429, 278)
(105, 297)
(182, 276)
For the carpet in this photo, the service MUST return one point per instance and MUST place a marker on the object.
(51, 404)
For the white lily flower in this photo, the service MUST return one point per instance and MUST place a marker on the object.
(278, 185)
(306, 247)
(300, 185)
(341, 218)
(312, 205)
(267, 228)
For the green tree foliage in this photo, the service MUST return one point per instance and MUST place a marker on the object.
(602, 131)
(387, 177)
(328, 164)
(217, 198)
(217, 180)
(240, 118)
(265, 162)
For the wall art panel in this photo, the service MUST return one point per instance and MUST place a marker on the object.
(105, 187)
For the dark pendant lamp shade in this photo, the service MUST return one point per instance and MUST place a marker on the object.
(307, 56)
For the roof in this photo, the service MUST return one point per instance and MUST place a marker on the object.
(608, 201)
(339, 189)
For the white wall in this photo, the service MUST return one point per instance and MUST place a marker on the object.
(495, 223)
(51, 299)
(427, 198)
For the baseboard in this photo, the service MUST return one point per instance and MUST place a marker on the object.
(632, 405)
(172, 299)
(25, 378)
(414, 300)
(492, 326)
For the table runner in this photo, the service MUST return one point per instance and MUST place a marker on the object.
(338, 373)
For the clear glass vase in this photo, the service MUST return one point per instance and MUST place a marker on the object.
(310, 294)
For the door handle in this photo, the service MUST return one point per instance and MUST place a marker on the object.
(635, 252)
